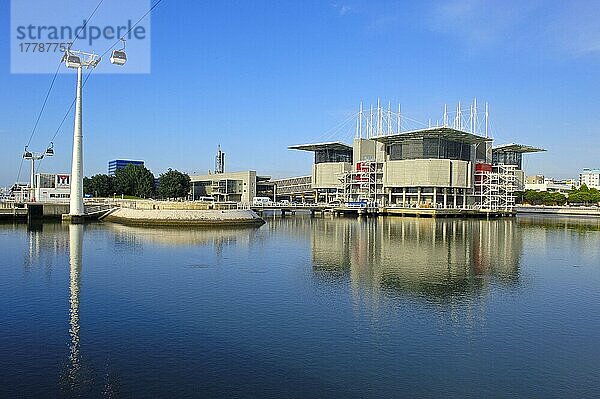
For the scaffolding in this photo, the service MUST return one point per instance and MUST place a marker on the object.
(495, 188)
(365, 184)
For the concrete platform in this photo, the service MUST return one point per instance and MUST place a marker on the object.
(447, 212)
(174, 217)
(73, 219)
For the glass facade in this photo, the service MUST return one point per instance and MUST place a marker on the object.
(113, 166)
(46, 181)
(507, 158)
(330, 155)
(427, 148)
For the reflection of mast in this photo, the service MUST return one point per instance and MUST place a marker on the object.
(75, 256)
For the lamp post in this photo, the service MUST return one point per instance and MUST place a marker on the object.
(77, 59)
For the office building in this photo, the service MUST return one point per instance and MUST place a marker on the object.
(590, 177)
(231, 186)
(117, 164)
(542, 183)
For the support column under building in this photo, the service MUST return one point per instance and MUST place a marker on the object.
(435, 197)
(404, 197)
(445, 197)
(418, 197)
(454, 194)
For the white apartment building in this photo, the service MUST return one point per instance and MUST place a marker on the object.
(590, 177)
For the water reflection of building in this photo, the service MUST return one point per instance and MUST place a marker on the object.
(430, 258)
(46, 242)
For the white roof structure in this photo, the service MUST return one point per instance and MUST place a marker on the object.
(513, 147)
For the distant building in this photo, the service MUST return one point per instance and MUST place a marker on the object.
(512, 154)
(231, 186)
(439, 167)
(590, 177)
(20, 192)
(297, 189)
(49, 187)
(541, 183)
(117, 164)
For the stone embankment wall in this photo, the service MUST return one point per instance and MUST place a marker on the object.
(169, 205)
(560, 210)
(184, 217)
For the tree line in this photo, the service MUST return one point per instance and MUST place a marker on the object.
(582, 195)
(138, 181)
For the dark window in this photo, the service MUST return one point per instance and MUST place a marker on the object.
(329, 155)
(429, 148)
(507, 158)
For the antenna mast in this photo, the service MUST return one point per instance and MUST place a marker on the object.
(399, 118)
(360, 118)
(486, 119)
(389, 118)
(445, 115)
(220, 161)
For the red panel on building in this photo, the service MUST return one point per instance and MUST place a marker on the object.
(483, 167)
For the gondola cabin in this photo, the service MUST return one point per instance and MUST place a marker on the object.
(118, 57)
(72, 61)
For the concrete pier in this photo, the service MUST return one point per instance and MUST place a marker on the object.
(187, 217)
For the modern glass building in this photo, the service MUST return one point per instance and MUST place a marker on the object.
(437, 167)
(117, 164)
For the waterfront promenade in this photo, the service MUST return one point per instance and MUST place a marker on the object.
(163, 211)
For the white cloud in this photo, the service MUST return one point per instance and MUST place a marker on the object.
(576, 28)
(481, 22)
(566, 27)
(342, 8)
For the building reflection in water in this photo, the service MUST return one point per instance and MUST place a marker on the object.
(434, 259)
(46, 242)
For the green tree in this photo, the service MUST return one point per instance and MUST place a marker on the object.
(87, 186)
(135, 180)
(532, 197)
(543, 198)
(99, 185)
(173, 184)
(519, 197)
(584, 195)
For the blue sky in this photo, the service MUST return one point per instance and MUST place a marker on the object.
(257, 76)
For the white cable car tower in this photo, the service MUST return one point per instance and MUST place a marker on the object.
(78, 60)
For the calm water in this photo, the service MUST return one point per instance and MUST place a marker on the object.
(301, 307)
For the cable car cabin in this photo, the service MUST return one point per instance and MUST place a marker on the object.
(27, 155)
(72, 61)
(118, 57)
(50, 151)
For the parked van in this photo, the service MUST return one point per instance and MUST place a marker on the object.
(261, 201)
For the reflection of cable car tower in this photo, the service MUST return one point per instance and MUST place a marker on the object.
(75, 260)
(36, 156)
(76, 59)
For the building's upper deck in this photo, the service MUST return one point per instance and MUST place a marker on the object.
(446, 133)
(518, 148)
(334, 151)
